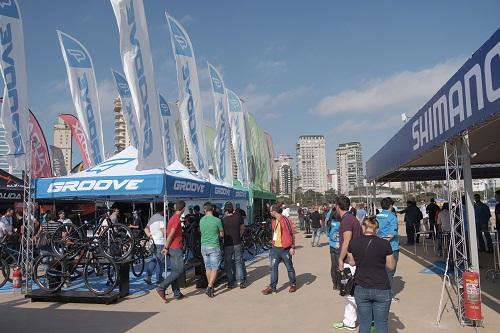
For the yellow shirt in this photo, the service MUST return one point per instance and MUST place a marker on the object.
(277, 234)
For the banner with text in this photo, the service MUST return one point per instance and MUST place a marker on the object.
(40, 158)
(190, 109)
(168, 113)
(58, 164)
(238, 135)
(79, 136)
(14, 112)
(128, 110)
(138, 67)
(83, 86)
(223, 161)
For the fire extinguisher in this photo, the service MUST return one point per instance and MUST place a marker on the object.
(16, 278)
(472, 296)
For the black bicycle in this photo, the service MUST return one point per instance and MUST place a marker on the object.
(143, 246)
(9, 258)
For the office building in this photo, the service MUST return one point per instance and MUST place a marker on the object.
(121, 139)
(62, 140)
(332, 180)
(311, 163)
(349, 167)
(283, 173)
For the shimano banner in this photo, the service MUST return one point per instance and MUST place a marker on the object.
(14, 114)
(167, 111)
(190, 109)
(222, 144)
(138, 66)
(127, 108)
(58, 164)
(40, 158)
(83, 88)
(78, 135)
(238, 134)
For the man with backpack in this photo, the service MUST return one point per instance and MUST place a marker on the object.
(283, 249)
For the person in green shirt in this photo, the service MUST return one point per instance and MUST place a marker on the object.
(211, 231)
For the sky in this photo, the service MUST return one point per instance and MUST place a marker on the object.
(344, 69)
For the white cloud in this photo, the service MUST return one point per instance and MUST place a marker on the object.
(188, 18)
(278, 65)
(406, 90)
(258, 102)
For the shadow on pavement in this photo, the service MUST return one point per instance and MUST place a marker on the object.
(398, 284)
(302, 280)
(75, 321)
(395, 324)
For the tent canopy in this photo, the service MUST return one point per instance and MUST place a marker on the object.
(11, 187)
(468, 102)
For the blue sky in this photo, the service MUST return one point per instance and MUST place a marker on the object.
(343, 69)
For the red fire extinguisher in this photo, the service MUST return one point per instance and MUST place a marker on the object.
(16, 277)
(472, 296)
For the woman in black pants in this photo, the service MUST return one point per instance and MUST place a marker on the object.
(372, 256)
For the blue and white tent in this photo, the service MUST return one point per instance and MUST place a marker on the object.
(117, 179)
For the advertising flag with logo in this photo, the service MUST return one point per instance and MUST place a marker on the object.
(40, 158)
(128, 109)
(83, 86)
(14, 112)
(190, 109)
(58, 165)
(222, 140)
(138, 67)
(168, 112)
(238, 135)
(77, 132)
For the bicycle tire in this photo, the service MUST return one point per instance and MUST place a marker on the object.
(69, 246)
(55, 268)
(4, 272)
(117, 242)
(138, 263)
(100, 267)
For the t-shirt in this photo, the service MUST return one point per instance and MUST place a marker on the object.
(388, 226)
(175, 222)
(210, 226)
(6, 225)
(349, 222)
(482, 213)
(370, 263)
(231, 224)
(155, 224)
(432, 209)
(361, 214)
(315, 219)
(333, 234)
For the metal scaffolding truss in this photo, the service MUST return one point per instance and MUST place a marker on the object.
(458, 234)
(28, 227)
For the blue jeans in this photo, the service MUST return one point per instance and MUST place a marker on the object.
(211, 257)
(176, 270)
(156, 263)
(315, 236)
(373, 305)
(301, 222)
(277, 255)
(233, 264)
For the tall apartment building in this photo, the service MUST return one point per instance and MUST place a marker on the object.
(121, 137)
(349, 167)
(283, 173)
(311, 163)
(332, 181)
(62, 140)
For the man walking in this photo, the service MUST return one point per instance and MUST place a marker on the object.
(482, 215)
(332, 230)
(155, 229)
(211, 230)
(282, 250)
(349, 229)
(173, 249)
(316, 220)
(432, 210)
(233, 259)
(388, 229)
(413, 216)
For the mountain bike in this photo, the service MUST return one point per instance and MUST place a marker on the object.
(9, 258)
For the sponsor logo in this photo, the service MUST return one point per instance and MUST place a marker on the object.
(95, 149)
(40, 158)
(95, 185)
(222, 142)
(10, 196)
(168, 140)
(222, 191)
(77, 131)
(148, 144)
(240, 194)
(459, 101)
(109, 164)
(193, 130)
(5, 3)
(10, 78)
(9, 8)
(79, 55)
(180, 40)
(182, 185)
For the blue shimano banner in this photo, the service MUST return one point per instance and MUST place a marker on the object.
(186, 188)
(95, 187)
(469, 98)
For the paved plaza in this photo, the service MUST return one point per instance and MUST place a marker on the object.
(313, 308)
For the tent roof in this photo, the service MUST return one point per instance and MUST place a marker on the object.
(469, 101)
(11, 187)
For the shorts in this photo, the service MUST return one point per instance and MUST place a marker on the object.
(211, 257)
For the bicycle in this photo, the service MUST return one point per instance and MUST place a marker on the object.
(142, 250)
(100, 274)
(9, 258)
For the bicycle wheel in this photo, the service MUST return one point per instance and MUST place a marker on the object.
(100, 275)
(65, 240)
(49, 272)
(4, 272)
(137, 266)
(117, 242)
